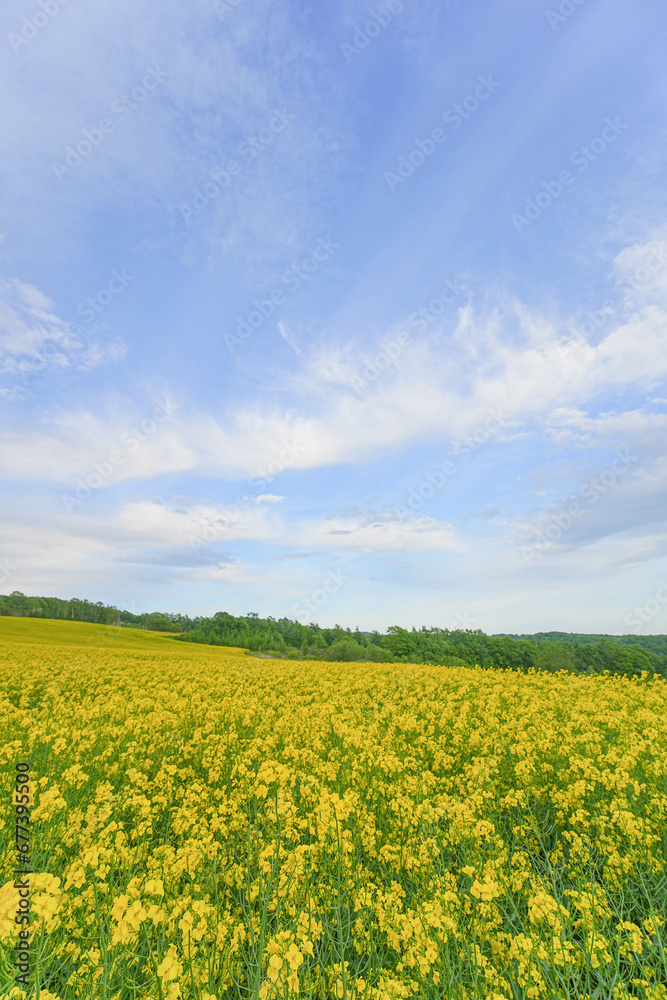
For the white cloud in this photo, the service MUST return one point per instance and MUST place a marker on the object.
(202, 538)
(34, 338)
(619, 504)
(27, 322)
(438, 390)
(640, 271)
(192, 540)
(634, 429)
(96, 354)
(380, 532)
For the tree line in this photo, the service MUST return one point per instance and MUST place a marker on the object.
(282, 637)
(77, 610)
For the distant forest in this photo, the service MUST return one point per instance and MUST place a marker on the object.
(85, 611)
(582, 653)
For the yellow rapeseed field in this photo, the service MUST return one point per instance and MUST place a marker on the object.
(207, 825)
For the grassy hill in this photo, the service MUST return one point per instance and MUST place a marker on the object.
(50, 632)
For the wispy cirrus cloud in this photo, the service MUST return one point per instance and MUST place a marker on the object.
(439, 388)
(33, 338)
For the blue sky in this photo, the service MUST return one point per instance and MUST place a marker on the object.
(351, 313)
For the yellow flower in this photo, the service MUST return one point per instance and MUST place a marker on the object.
(486, 891)
(170, 967)
(267, 800)
(275, 965)
(154, 887)
(294, 957)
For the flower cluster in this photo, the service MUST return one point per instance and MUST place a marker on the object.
(210, 826)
